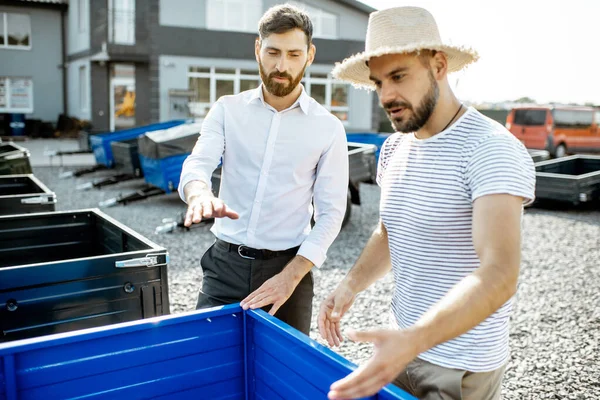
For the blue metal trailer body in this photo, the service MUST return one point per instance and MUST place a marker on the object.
(369, 138)
(164, 173)
(220, 353)
(101, 143)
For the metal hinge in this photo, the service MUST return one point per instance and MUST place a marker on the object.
(151, 260)
(39, 200)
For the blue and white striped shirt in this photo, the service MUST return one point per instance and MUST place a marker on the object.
(428, 189)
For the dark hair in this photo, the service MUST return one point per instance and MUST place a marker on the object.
(425, 55)
(284, 18)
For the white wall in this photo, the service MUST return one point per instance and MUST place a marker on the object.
(183, 13)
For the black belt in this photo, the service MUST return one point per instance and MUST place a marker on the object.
(261, 254)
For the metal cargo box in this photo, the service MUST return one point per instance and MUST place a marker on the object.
(70, 270)
(217, 354)
(100, 144)
(14, 159)
(574, 179)
(163, 152)
(20, 194)
(126, 156)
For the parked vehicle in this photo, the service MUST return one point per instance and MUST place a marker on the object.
(558, 129)
(223, 353)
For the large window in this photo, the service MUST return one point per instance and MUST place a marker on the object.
(83, 89)
(233, 15)
(530, 117)
(210, 83)
(16, 95)
(573, 118)
(82, 18)
(121, 21)
(15, 31)
(325, 24)
(331, 94)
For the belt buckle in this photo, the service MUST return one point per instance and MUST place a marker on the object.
(239, 250)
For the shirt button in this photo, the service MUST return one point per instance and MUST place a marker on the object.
(257, 202)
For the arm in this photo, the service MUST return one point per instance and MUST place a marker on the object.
(329, 197)
(373, 263)
(195, 182)
(496, 238)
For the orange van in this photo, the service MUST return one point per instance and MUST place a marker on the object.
(557, 129)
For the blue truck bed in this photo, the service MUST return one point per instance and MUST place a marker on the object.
(100, 144)
(164, 173)
(221, 353)
(369, 138)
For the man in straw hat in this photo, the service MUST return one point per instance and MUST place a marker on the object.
(282, 152)
(453, 185)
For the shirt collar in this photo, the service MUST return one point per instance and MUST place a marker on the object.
(303, 100)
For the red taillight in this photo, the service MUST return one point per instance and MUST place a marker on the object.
(549, 128)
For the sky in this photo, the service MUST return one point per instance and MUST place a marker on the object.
(548, 50)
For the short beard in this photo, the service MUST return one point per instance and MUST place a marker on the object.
(276, 88)
(421, 115)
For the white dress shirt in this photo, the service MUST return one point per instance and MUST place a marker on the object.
(273, 164)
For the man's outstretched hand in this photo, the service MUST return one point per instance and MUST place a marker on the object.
(206, 206)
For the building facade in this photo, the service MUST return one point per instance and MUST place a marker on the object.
(32, 73)
(132, 62)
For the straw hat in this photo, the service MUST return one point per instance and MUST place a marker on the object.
(396, 31)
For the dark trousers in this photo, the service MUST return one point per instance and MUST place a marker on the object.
(228, 278)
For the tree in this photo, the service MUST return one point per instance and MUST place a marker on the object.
(525, 100)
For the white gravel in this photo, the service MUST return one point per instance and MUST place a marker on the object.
(555, 331)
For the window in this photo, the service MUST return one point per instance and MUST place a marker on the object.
(121, 21)
(331, 94)
(83, 89)
(15, 31)
(597, 118)
(325, 24)
(573, 118)
(82, 21)
(210, 83)
(233, 15)
(530, 117)
(16, 95)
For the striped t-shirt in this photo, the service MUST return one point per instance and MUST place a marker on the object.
(427, 191)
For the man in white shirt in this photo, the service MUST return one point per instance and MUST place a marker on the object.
(281, 152)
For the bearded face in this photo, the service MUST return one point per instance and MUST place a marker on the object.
(407, 118)
(280, 83)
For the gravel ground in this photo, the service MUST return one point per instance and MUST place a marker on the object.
(555, 331)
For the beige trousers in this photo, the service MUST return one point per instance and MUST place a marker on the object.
(427, 381)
